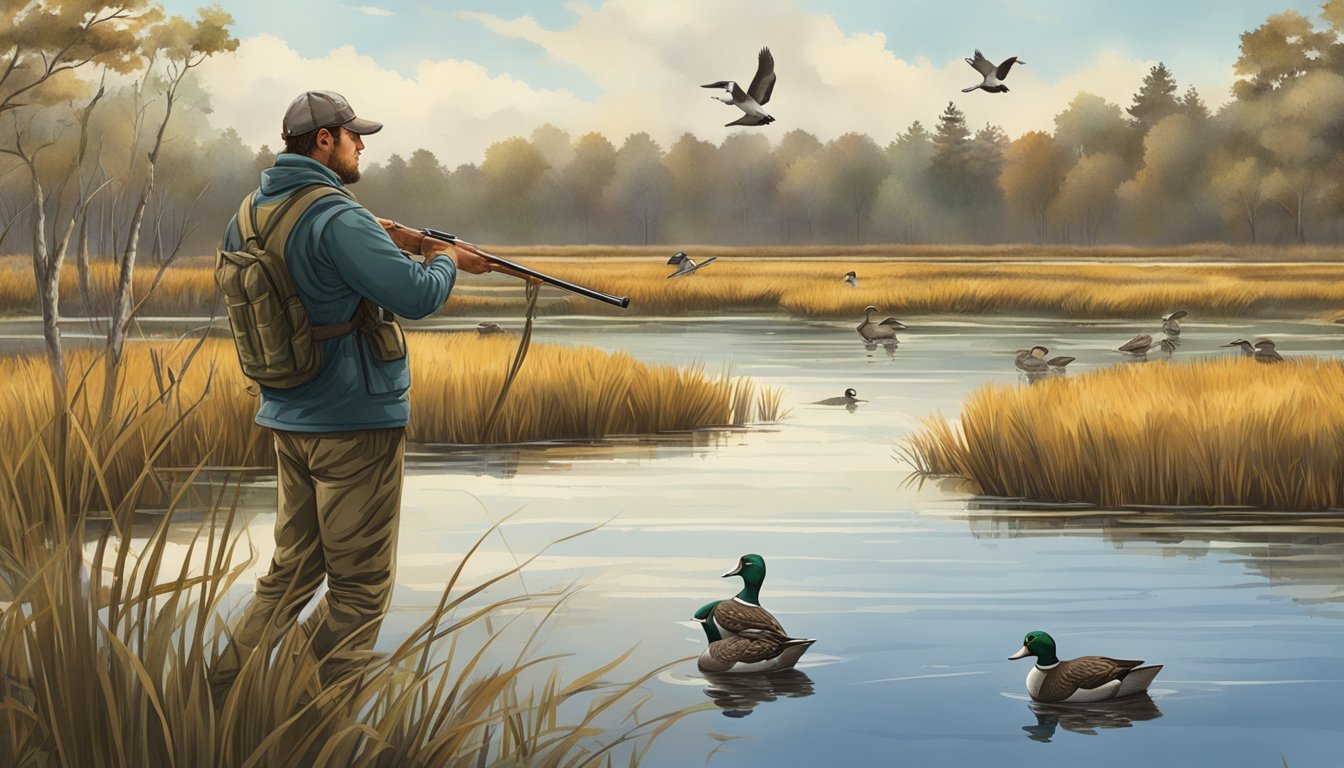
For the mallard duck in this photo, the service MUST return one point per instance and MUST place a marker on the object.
(878, 331)
(1171, 323)
(1084, 679)
(743, 636)
(849, 398)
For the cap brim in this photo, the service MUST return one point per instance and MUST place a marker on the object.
(363, 127)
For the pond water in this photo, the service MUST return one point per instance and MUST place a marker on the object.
(916, 594)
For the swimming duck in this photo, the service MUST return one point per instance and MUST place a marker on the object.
(1266, 353)
(743, 636)
(757, 93)
(1032, 360)
(852, 279)
(849, 398)
(1246, 348)
(686, 265)
(486, 328)
(878, 331)
(1171, 323)
(1084, 679)
(1058, 363)
(993, 75)
(1138, 346)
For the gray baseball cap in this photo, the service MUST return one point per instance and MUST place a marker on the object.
(320, 109)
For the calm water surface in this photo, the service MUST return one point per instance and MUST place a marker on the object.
(916, 595)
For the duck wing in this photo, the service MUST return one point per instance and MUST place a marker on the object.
(1007, 64)
(980, 64)
(764, 81)
(1085, 673)
(741, 618)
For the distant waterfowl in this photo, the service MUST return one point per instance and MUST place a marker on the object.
(1032, 360)
(878, 331)
(1265, 352)
(743, 636)
(1138, 346)
(1171, 323)
(993, 75)
(1169, 344)
(1246, 348)
(1084, 679)
(1058, 363)
(849, 398)
(488, 328)
(852, 279)
(685, 265)
(757, 94)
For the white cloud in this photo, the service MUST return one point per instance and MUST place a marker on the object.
(373, 10)
(647, 62)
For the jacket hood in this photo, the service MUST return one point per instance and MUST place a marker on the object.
(292, 171)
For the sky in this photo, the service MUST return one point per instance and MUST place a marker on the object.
(454, 77)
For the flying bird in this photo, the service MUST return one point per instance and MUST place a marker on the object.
(993, 75)
(685, 265)
(1246, 348)
(852, 279)
(1265, 352)
(757, 94)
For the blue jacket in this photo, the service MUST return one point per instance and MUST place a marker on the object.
(338, 253)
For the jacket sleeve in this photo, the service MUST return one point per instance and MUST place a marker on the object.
(369, 262)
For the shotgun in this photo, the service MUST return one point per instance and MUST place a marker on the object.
(615, 301)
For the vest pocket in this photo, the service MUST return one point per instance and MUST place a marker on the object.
(382, 377)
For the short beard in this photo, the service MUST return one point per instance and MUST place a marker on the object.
(347, 172)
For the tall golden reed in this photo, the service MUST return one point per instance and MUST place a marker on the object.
(1226, 432)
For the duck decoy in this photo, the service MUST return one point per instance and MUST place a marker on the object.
(852, 279)
(743, 636)
(878, 331)
(1246, 348)
(993, 75)
(757, 94)
(1032, 360)
(1138, 346)
(1084, 679)
(487, 328)
(849, 398)
(685, 265)
(1171, 322)
(1265, 352)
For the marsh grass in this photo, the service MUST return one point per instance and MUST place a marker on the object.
(1226, 432)
(1088, 283)
(560, 393)
(104, 655)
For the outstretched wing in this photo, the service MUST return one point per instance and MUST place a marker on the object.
(981, 64)
(764, 81)
(1007, 64)
(748, 119)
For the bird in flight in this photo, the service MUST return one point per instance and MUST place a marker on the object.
(757, 94)
(993, 75)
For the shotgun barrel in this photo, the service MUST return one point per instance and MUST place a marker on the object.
(615, 301)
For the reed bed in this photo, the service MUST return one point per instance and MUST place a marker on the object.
(561, 392)
(1226, 432)
(104, 657)
(813, 287)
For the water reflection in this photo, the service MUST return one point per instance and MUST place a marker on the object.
(1301, 553)
(562, 456)
(738, 695)
(1087, 719)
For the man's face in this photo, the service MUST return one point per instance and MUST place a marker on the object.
(344, 156)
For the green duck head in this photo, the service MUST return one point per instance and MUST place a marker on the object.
(705, 617)
(1040, 645)
(752, 570)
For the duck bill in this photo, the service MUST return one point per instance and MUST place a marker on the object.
(1023, 653)
(735, 572)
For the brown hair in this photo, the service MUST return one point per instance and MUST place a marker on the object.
(305, 143)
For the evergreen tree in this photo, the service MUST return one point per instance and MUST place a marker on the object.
(949, 170)
(1193, 105)
(1156, 98)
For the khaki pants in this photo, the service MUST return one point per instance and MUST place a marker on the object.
(339, 502)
